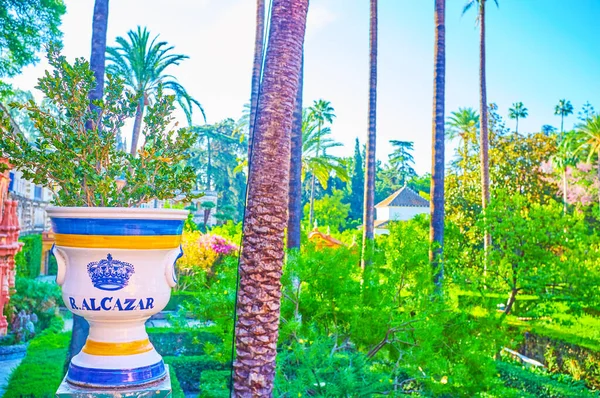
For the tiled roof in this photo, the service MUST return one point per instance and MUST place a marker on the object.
(404, 197)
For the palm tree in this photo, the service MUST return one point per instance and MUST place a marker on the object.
(565, 157)
(590, 132)
(142, 63)
(548, 129)
(369, 210)
(295, 198)
(256, 68)
(463, 124)
(320, 113)
(517, 111)
(80, 329)
(401, 160)
(315, 159)
(564, 108)
(261, 258)
(483, 111)
(436, 226)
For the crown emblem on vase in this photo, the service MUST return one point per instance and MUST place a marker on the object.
(110, 274)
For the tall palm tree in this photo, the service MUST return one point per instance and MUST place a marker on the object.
(369, 210)
(261, 258)
(256, 68)
(321, 112)
(295, 194)
(566, 156)
(142, 63)
(483, 111)
(563, 108)
(315, 159)
(80, 329)
(590, 133)
(436, 226)
(463, 124)
(517, 111)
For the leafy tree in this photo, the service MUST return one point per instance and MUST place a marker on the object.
(517, 111)
(563, 109)
(566, 157)
(402, 160)
(548, 129)
(536, 249)
(330, 211)
(371, 159)
(587, 112)
(142, 63)
(357, 184)
(26, 26)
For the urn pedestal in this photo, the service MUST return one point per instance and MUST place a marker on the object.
(116, 267)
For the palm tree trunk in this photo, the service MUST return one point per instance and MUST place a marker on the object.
(369, 210)
(565, 190)
(261, 259)
(517, 128)
(81, 328)
(295, 194)
(483, 110)
(137, 126)
(311, 214)
(562, 119)
(436, 228)
(256, 70)
(209, 164)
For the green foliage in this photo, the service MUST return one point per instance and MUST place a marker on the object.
(330, 211)
(189, 369)
(175, 385)
(230, 230)
(34, 296)
(215, 384)
(26, 26)
(357, 184)
(539, 383)
(41, 371)
(170, 342)
(29, 259)
(95, 165)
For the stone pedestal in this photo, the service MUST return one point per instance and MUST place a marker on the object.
(158, 389)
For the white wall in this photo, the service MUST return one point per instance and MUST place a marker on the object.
(382, 213)
(405, 213)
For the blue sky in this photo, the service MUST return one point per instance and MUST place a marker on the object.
(538, 51)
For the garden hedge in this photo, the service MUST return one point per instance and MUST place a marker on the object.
(215, 384)
(28, 260)
(542, 385)
(189, 342)
(189, 369)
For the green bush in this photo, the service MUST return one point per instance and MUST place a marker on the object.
(169, 342)
(177, 299)
(29, 259)
(215, 384)
(37, 297)
(41, 371)
(189, 369)
(541, 384)
(175, 386)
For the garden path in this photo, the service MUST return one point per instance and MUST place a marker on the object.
(6, 368)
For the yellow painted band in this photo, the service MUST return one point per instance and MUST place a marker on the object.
(112, 349)
(118, 242)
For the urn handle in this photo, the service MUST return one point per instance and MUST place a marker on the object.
(61, 262)
(171, 260)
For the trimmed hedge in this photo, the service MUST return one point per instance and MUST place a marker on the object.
(28, 260)
(542, 385)
(41, 371)
(175, 386)
(169, 342)
(189, 369)
(215, 384)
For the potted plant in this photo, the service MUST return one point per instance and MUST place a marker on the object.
(115, 259)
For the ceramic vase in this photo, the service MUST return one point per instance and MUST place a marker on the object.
(116, 267)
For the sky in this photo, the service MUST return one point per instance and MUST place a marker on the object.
(538, 51)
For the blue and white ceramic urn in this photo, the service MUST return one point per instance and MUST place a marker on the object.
(116, 267)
